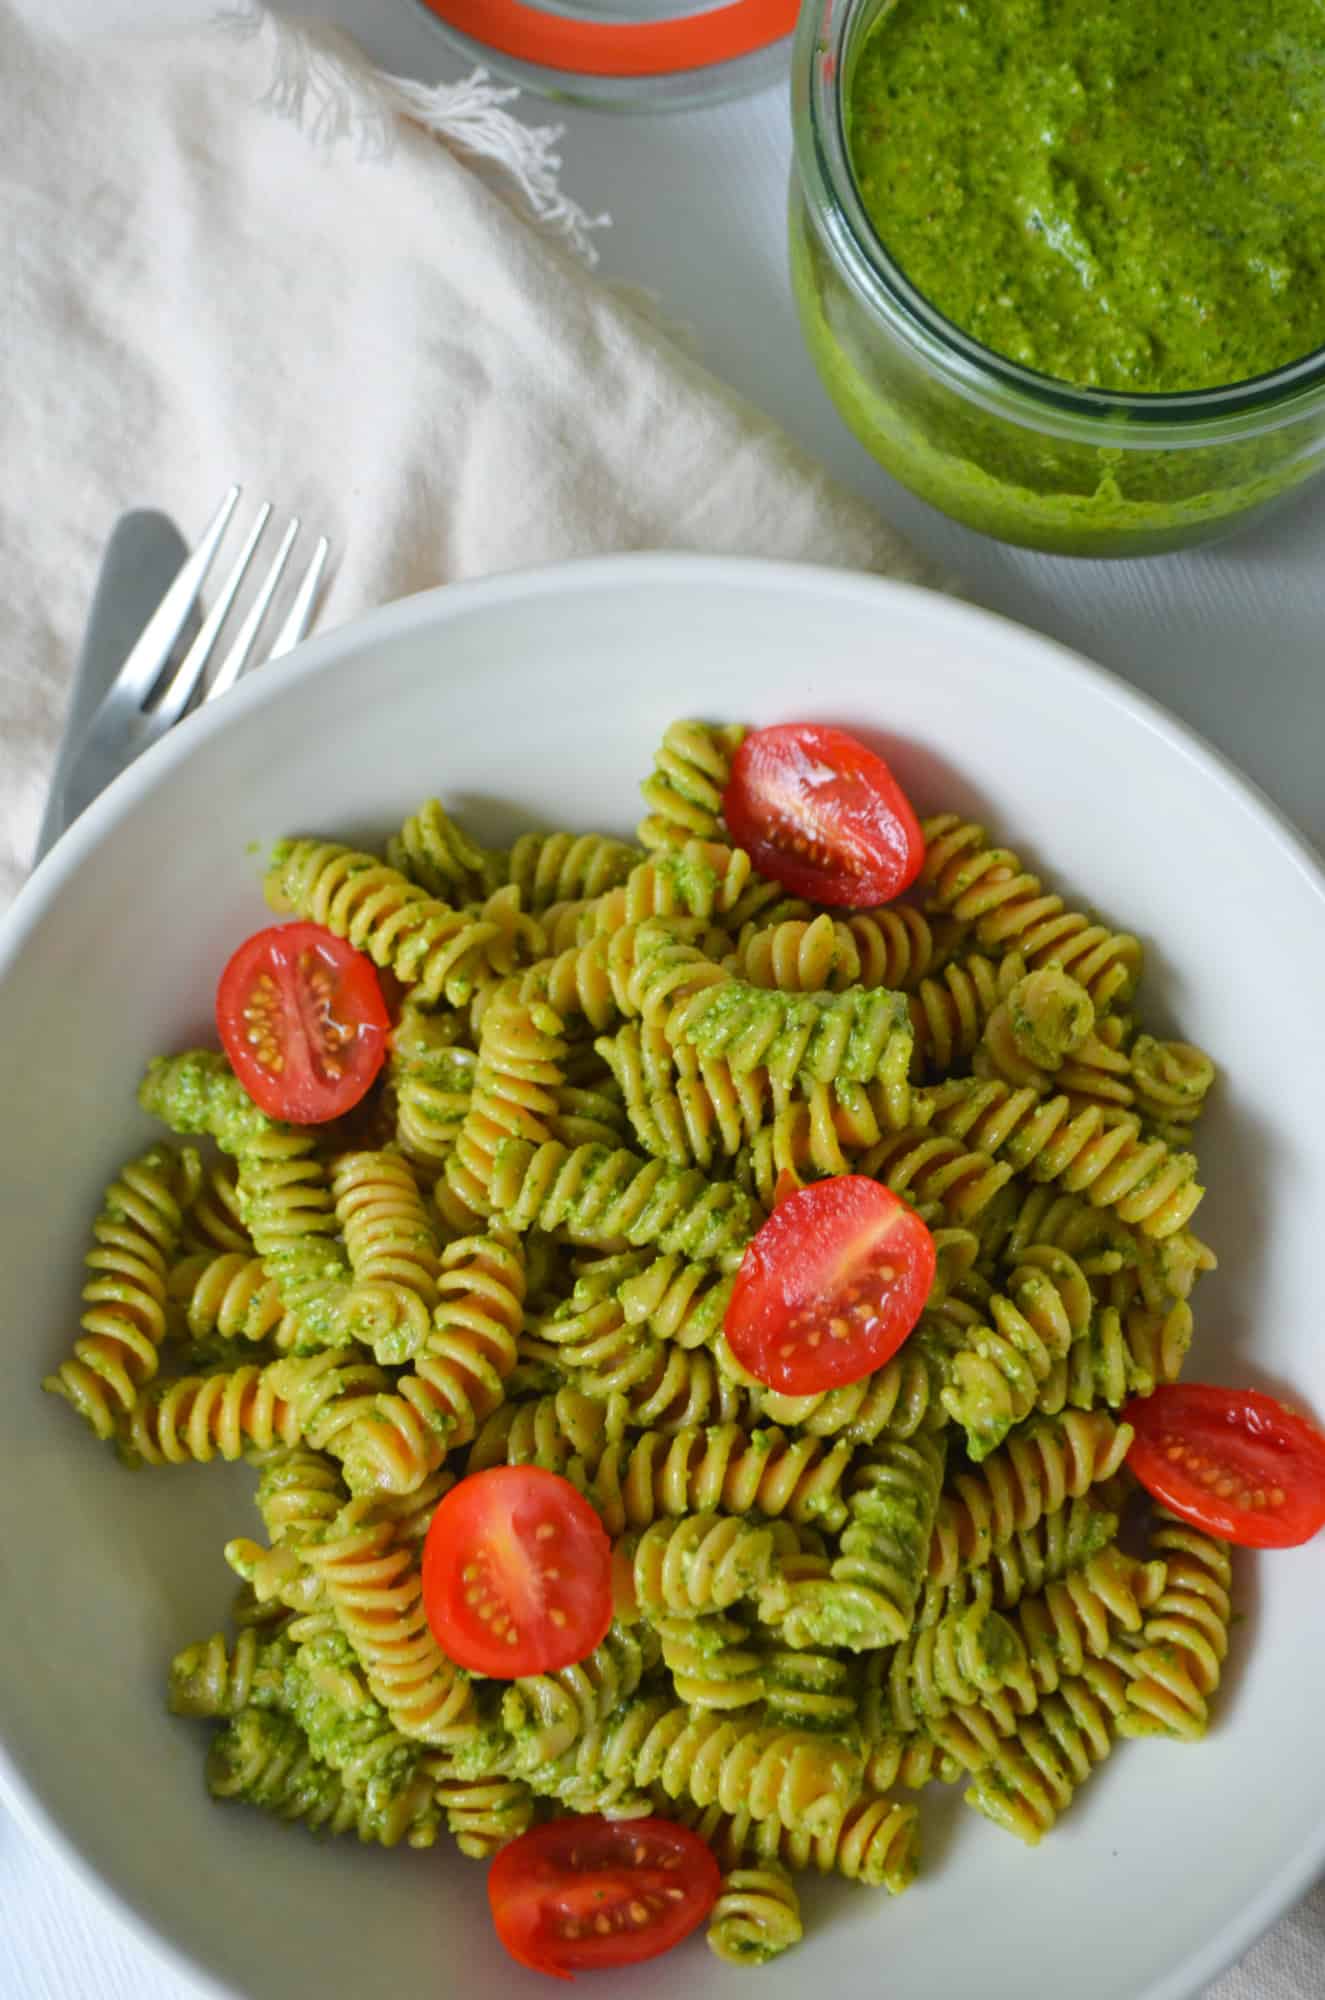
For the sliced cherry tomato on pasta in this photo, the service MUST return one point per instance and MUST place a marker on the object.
(819, 813)
(302, 1019)
(830, 1286)
(1232, 1462)
(517, 1573)
(587, 1892)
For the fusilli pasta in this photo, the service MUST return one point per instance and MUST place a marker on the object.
(610, 1062)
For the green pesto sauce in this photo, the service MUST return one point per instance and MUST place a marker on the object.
(1122, 196)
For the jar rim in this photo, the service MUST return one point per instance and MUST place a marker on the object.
(821, 64)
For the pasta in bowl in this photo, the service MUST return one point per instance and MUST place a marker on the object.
(614, 1064)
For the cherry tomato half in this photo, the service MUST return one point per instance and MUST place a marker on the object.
(819, 813)
(1232, 1462)
(517, 1573)
(587, 1892)
(830, 1286)
(302, 1019)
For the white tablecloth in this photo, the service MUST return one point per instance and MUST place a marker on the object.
(1232, 639)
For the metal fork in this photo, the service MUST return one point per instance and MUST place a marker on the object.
(128, 720)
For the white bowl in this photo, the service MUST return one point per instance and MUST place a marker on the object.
(536, 700)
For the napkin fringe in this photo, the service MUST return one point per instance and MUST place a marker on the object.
(320, 82)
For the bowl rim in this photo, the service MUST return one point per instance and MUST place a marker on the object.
(593, 575)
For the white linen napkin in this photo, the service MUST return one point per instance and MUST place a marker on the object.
(244, 257)
(329, 307)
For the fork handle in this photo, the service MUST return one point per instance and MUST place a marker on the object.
(142, 557)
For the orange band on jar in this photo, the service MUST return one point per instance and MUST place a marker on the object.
(646, 48)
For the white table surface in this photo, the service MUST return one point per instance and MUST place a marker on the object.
(1233, 640)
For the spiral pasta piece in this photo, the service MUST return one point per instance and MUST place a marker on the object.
(1045, 1019)
(1170, 1083)
(440, 952)
(803, 1779)
(1033, 1778)
(290, 1210)
(433, 1079)
(816, 955)
(553, 868)
(723, 1468)
(950, 1009)
(1178, 1663)
(893, 948)
(679, 1108)
(1081, 1615)
(263, 1759)
(1050, 1461)
(324, 1689)
(388, 1232)
(283, 1188)
(604, 1198)
(930, 1170)
(457, 1379)
(545, 1715)
(312, 1399)
(1101, 1154)
(375, 1588)
(808, 1688)
(484, 1814)
(712, 1662)
(703, 880)
(564, 1431)
(124, 1317)
(432, 851)
(661, 1388)
(229, 1294)
(1028, 1562)
(869, 1595)
(212, 1679)
(516, 1081)
(757, 1915)
(1120, 1355)
(1008, 1349)
(896, 1400)
(876, 1841)
(213, 1220)
(969, 1654)
(299, 1494)
(860, 1035)
(698, 1564)
(823, 1132)
(1008, 909)
(683, 792)
(677, 1300)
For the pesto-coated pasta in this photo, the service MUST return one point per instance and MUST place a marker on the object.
(610, 1060)
(757, 1915)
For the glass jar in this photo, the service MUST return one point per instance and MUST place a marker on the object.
(1010, 452)
(634, 55)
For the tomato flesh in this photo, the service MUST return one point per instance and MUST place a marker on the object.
(830, 1287)
(1232, 1462)
(587, 1893)
(824, 816)
(517, 1573)
(302, 1019)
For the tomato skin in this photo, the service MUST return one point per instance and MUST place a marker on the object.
(302, 1019)
(517, 1573)
(1192, 1438)
(549, 1890)
(823, 815)
(845, 1251)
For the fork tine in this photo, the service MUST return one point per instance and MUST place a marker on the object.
(190, 669)
(143, 667)
(232, 666)
(300, 615)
